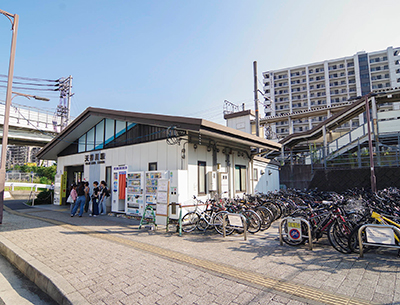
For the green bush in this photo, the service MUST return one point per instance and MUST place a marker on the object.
(44, 197)
(44, 180)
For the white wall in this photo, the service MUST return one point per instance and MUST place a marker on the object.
(241, 123)
(269, 181)
(169, 157)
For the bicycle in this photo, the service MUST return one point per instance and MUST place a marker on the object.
(372, 217)
(211, 217)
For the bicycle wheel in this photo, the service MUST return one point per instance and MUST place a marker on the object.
(253, 221)
(266, 215)
(217, 223)
(353, 243)
(338, 235)
(202, 224)
(289, 241)
(190, 221)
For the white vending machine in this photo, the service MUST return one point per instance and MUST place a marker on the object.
(118, 189)
(151, 182)
(134, 204)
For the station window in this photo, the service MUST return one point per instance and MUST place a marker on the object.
(152, 166)
(82, 143)
(99, 135)
(109, 131)
(240, 178)
(90, 140)
(201, 177)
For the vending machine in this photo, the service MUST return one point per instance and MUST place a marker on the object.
(134, 204)
(118, 189)
(151, 182)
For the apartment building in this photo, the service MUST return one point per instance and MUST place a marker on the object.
(20, 155)
(301, 97)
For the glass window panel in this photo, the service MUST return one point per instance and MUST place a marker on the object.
(153, 166)
(237, 178)
(109, 130)
(82, 143)
(240, 178)
(243, 179)
(120, 128)
(202, 177)
(90, 140)
(100, 135)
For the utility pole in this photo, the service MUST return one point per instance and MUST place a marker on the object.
(371, 153)
(63, 108)
(69, 99)
(256, 99)
(4, 143)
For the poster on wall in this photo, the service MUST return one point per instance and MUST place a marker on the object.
(57, 190)
(162, 197)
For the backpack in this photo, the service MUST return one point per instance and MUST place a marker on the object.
(106, 192)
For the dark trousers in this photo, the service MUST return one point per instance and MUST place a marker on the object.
(95, 206)
(87, 204)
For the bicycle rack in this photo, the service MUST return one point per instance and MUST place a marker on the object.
(302, 220)
(244, 224)
(361, 243)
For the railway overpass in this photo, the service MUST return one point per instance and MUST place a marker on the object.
(29, 126)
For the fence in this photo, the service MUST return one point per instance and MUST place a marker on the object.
(32, 186)
(21, 177)
(386, 153)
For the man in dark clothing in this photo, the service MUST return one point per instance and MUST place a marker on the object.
(95, 198)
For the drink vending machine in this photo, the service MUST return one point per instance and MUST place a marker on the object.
(151, 182)
(118, 189)
(134, 193)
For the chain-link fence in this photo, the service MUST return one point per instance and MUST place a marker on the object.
(21, 177)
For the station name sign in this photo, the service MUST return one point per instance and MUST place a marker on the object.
(95, 158)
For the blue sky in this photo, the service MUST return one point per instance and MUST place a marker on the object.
(182, 57)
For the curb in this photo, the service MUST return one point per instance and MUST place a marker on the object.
(45, 278)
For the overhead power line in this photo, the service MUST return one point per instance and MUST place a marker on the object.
(33, 79)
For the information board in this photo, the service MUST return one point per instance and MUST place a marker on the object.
(380, 235)
(235, 221)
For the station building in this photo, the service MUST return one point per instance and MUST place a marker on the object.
(150, 159)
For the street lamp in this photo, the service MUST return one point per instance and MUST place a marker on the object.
(28, 96)
(14, 26)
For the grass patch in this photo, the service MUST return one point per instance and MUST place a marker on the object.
(23, 188)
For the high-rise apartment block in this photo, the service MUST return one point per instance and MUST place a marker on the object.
(320, 89)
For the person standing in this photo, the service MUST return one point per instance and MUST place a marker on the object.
(80, 201)
(105, 193)
(87, 196)
(95, 198)
(73, 195)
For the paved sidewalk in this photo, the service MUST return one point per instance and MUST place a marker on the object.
(15, 288)
(107, 260)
